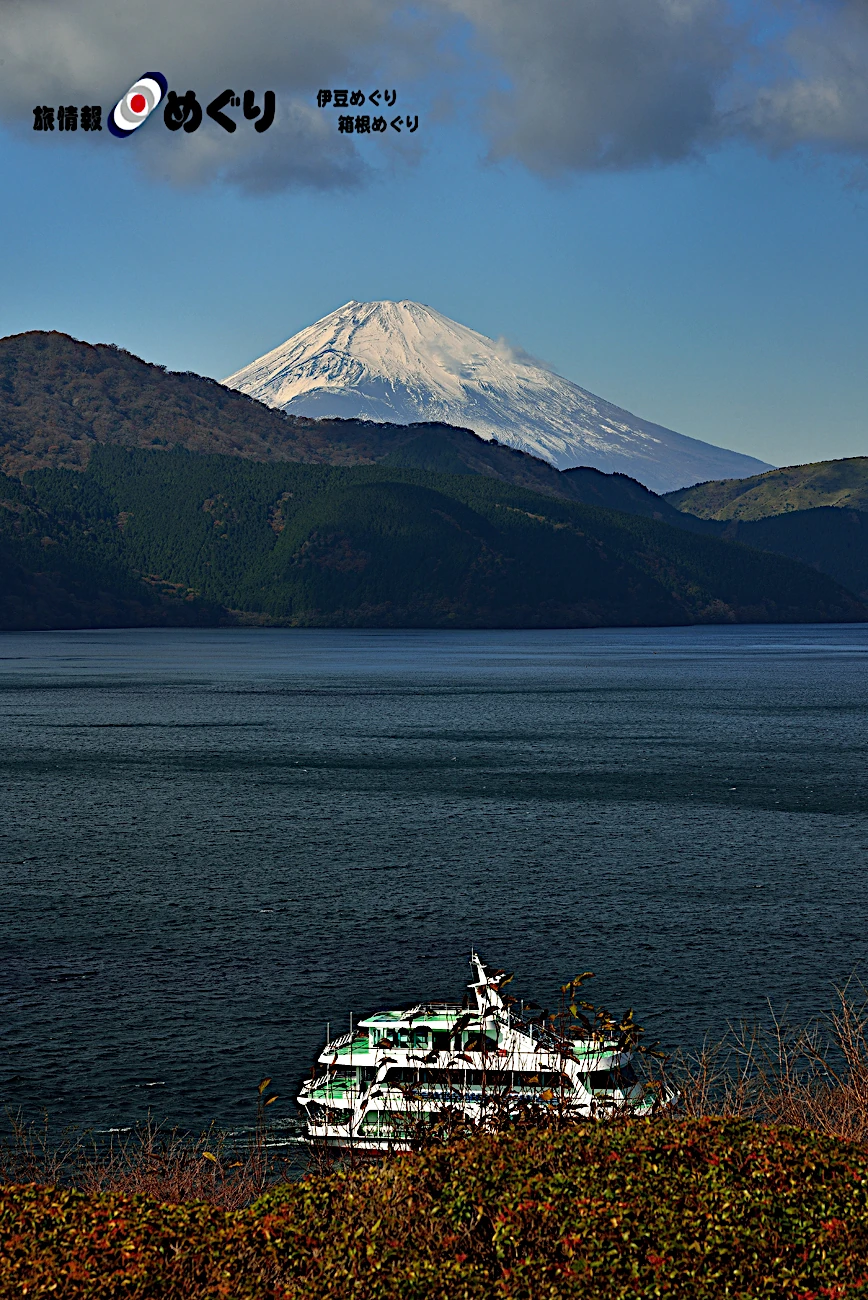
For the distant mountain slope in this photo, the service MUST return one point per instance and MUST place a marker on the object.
(837, 483)
(402, 362)
(223, 539)
(441, 449)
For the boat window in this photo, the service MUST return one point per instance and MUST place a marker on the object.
(441, 1040)
(400, 1074)
(615, 1080)
(419, 1037)
(455, 1079)
(389, 1124)
(542, 1079)
(342, 1072)
(476, 1042)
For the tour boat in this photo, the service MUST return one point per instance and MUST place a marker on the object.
(398, 1072)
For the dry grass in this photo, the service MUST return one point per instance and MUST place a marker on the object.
(813, 1077)
(162, 1164)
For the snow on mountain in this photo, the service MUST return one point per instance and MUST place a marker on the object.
(403, 362)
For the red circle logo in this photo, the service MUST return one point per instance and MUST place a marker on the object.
(138, 103)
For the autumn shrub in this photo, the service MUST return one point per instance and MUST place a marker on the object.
(681, 1208)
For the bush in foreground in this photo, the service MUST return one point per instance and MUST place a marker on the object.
(694, 1209)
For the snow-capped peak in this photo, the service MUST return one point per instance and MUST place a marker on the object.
(404, 362)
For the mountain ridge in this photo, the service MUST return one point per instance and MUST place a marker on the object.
(62, 400)
(405, 362)
(61, 397)
(816, 513)
(836, 483)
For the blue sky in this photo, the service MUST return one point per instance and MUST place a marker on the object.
(709, 279)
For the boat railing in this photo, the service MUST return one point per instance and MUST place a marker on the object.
(564, 1046)
(330, 1082)
(343, 1041)
(543, 1036)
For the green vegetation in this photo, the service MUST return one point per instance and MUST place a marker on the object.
(60, 398)
(695, 1209)
(836, 483)
(817, 514)
(118, 512)
(65, 568)
(313, 545)
(830, 539)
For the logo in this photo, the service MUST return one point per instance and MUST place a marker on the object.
(183, 112)
(137, 104)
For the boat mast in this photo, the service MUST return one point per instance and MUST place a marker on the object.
(489, 999)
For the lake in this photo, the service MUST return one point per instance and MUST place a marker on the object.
(215, 842)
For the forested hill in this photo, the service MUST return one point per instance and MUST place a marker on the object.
(814, 513)
(64, 405)
(841, 484)
(61, 398)
(144, 537)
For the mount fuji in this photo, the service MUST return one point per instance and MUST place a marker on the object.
(403, 362)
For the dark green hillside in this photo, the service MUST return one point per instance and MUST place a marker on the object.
(313, 545)
(619, 492)
(817, 514)
(57, 590)
(835, 541)
(407, 554)
(56, 573)
(837, 483)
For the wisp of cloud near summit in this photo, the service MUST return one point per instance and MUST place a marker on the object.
(560, 86)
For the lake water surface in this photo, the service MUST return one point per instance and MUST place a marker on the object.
(214, 842)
